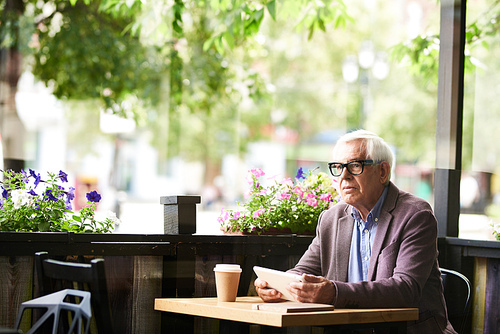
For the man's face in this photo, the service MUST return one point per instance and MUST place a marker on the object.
(361, 191)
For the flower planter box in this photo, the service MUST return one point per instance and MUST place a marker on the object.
(268, 231)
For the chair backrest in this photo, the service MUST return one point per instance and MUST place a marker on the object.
(56, 275)
(455, 292)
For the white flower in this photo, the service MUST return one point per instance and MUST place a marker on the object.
(496, 230)
(20, 198)
(108, 215)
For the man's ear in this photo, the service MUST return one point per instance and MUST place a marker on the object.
(385, 170)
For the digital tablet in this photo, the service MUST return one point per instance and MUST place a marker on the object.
(277, 280)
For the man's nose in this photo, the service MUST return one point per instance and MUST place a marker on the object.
(346, 174)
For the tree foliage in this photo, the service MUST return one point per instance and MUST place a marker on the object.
(187, 66)
(82, 53)
(421, 53)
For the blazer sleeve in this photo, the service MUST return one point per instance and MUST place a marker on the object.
(310, 262)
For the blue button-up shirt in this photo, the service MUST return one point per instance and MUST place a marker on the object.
(362, 241)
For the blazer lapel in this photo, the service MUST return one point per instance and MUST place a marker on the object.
(384, 222)
(343, 246)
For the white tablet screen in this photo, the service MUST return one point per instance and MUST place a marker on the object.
(277, 279)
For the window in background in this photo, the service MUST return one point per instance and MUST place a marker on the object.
(480, 183)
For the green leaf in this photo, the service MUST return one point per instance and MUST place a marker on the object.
(208, 43)
(271, 8)
(44, 226)
(321, 24)
(311, 32)
(177, 28)
(229, 38)
(219, 45)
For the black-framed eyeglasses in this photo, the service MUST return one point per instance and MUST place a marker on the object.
(355, 167)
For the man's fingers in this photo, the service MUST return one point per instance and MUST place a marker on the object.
(312, 278)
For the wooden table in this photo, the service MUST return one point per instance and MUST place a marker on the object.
(241, 311)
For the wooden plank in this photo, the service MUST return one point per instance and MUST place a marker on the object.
(204, 286)
(16, 286)
(147, 286)
(120, 276)
(492, 300)
(479, 295)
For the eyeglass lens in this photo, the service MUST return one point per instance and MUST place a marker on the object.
(354, 167)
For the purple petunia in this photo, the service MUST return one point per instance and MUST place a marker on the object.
(5, 193)
(32, 193)
(50, 196)
(36, 177)
(71, 193)
(25, 175)
(32, 172)
(300, 174)
(63, 176)
(93, 196)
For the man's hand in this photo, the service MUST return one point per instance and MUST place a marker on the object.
(265, 293)
(314, 289)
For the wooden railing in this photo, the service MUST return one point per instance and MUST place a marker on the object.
(140, 268)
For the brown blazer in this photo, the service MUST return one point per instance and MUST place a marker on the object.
(403, 270)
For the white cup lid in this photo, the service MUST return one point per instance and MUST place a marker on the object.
(228, 267)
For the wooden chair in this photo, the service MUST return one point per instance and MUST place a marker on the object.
(56, 275)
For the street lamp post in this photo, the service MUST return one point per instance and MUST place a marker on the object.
(359, 69)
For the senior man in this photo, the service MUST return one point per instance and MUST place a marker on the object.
(377, 247)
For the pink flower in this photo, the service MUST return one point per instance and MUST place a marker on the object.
(325, 197)
(312, 202)
(299, 191)
(257, 213)
(335, 184)
(261, 193)
(236, 215)
(257, 172)
(224, 215)
(283, 196)
(272, 177)
(310, 196)
(287, 182)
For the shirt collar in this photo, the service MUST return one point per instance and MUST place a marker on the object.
(375, 211)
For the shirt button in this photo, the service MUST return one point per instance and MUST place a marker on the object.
(366, 258)
(366, 230)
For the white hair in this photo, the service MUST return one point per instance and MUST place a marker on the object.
(375, 148)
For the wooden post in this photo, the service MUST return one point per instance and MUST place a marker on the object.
(179, 214)
(449, 116)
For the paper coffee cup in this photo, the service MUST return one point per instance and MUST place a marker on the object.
(227, 279)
